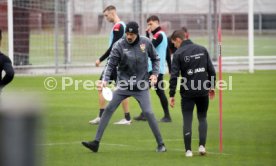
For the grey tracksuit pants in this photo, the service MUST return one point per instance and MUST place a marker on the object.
(143, 99)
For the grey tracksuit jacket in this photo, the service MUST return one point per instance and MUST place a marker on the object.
(132, 62)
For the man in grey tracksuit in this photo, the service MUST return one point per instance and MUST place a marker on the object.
(130, 56)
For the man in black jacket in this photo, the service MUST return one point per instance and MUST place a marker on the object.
(130, 55)
(6, 65)
(198, 80)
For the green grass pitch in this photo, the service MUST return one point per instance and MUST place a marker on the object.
(249, 129)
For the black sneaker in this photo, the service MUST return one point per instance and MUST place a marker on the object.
(92, 145)
(166, 119)
(161, 148)
(140, 118)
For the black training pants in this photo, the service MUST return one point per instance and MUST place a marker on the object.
(159, 88)
(187, 105)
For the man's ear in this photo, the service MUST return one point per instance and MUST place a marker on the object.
(178, 40)
(187, 35)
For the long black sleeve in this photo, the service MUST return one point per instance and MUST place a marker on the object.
(171, 47)
(106, 54)
(6, 65)
(168, 59)
(118, 32)
(156, 40)
(8, 76)
(174, 74)
(147, 34)
(112, 63)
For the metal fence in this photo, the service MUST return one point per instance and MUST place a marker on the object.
(63, 34)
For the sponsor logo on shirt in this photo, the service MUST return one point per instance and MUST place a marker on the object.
(187, 59)
(190, 72)
(197, 70)
(125, 50)
(197, 56)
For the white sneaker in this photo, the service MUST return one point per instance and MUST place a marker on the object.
(123, 122)
(201, 150)
(95, 121)
(189, 153)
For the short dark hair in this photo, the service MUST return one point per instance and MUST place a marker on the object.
(153, 18)
(108, 8)
(181, 33)
(178, 34)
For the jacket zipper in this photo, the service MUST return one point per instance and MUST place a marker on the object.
(135, 61)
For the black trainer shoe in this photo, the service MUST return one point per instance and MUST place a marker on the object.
(166, 119)
(161, 148)
(92, 145)
(140, 118)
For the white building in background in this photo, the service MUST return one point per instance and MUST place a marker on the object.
(90, 11)
(175, 6)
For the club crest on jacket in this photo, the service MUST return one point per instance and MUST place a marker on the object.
(143, 47)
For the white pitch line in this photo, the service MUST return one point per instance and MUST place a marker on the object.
(78, 142)
(123, 145)
(167, 140)
(115, 144)
(60, 143)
